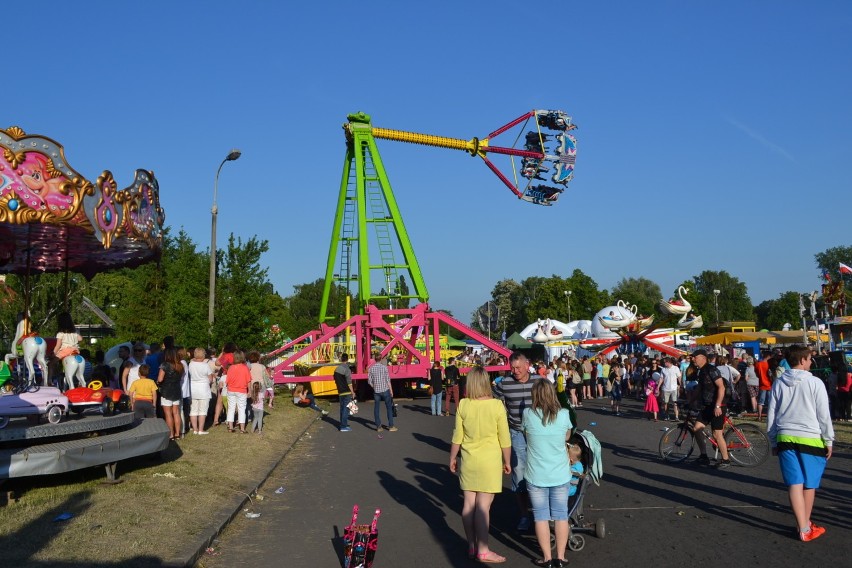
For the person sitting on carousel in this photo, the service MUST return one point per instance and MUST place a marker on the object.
(67, 338)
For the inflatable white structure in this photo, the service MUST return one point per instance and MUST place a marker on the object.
(547, 330)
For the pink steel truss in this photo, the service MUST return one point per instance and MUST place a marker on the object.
(410, 335)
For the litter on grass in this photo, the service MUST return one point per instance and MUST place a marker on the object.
(63, 517)
(252, 515)
(280, 490)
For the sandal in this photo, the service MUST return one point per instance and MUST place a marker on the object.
(471, 551)
(490, 557)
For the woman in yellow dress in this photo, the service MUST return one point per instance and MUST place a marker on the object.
(482, 434)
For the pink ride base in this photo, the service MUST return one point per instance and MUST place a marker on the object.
(379, 328)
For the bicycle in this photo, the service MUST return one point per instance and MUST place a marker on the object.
(748, 445)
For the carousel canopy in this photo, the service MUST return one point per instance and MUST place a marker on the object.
(53, 219)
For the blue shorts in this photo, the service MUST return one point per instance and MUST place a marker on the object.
(549, 503)
(763, 397)
(801, 469)
(519, 460)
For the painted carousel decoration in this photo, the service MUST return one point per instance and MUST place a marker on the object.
(52, 219)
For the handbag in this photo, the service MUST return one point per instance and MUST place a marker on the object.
(431, 391)
(394, 410)
(353, 408)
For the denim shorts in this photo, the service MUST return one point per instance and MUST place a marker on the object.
(549, 503)
(763, 397)
(519, 460)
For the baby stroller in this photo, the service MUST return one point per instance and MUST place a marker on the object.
(360, 541)
(590, 457)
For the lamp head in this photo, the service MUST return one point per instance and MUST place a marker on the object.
(233, 155)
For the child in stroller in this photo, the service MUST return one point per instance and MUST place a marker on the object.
(586, 452)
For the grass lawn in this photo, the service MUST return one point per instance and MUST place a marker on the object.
(160, 509)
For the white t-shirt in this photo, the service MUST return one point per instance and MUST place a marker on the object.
(670, 376)
(199, 379)
(133, 372)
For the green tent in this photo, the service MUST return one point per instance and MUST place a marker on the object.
(516, 341)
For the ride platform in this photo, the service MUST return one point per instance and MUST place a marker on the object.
(25, 449)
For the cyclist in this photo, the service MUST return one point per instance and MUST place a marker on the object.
(712, 394)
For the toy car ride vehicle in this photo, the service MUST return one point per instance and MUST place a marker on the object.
(98, 396)
(46, 400)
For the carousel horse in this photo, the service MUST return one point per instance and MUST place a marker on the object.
(74, 365)
(32, 347)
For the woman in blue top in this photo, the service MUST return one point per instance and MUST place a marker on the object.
(547, 426)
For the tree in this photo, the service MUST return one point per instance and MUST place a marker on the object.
(242, 291)
(302, 307)
(503, 294)
(537, 297)
(733, 299)
(187, 280)
(829, 260)
(640, 291)
(773, 314)
(586, 299)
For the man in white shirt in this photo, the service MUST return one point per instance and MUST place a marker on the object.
(670, 387)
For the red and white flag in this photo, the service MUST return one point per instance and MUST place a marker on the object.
(845, 269)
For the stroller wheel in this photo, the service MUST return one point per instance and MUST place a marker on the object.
(600, 528)
(576, 543)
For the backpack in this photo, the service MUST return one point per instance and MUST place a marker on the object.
(576, 379)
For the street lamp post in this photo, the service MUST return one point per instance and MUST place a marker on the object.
(232, 155)
(716, 303)
(568, 295)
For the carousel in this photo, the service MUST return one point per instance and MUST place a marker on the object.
(54, 220)
(635, 333)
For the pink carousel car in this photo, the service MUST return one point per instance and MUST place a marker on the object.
(46, 400)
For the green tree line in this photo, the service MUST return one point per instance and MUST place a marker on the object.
(171, 298)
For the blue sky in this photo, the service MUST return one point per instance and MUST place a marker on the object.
(711, 135)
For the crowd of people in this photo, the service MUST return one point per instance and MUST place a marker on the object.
(526, 435)
(193, 389)
(171, 381)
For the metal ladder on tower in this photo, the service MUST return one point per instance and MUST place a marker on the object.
(382, 222)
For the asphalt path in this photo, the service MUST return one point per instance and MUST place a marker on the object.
(654, 513)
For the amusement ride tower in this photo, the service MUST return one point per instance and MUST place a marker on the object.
(372, 260)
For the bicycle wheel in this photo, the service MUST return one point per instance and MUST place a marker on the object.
(748, 445)
(676, 444)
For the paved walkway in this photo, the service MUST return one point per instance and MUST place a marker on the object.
(654, 513)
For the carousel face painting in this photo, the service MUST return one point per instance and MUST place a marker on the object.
(34, 183)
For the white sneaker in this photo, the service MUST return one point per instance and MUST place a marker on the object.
(325, 412)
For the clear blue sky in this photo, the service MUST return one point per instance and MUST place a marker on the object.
(713, 135)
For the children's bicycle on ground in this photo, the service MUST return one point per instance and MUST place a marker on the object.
(748, 445)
